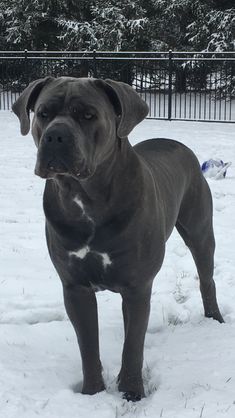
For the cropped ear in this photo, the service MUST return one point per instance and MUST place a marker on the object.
(26, 102)
(128, 105)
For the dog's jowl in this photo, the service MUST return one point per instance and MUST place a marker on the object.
(110, 209)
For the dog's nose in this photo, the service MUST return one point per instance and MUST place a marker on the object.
(57, 136)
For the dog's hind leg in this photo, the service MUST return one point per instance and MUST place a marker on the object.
(203, 254)
(197, 232)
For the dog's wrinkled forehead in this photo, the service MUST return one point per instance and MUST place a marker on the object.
(67, 92)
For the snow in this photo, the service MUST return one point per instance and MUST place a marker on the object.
(189, 360)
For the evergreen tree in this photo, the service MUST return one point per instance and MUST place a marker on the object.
(31, 24)
(2, 29)
(212, 30)
(111, 25)
(117, 25)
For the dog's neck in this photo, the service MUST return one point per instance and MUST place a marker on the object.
(114, 182)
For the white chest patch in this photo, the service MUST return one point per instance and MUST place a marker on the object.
(82, 253)
(79, 202)
(105, 259)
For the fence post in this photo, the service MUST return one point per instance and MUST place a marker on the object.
(26, 76)
(170, 86)
(94, 64)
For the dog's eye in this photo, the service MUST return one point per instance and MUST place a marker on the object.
(88, 116)
(42, 114)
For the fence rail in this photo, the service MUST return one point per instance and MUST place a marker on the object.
(176, 85)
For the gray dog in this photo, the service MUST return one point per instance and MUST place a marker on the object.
(110, 209)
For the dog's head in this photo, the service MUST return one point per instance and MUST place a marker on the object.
(77, 122)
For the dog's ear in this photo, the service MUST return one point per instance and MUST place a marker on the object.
(26, 102)
(128, 105)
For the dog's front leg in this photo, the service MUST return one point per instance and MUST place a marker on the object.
(81, 307)
(136, 308)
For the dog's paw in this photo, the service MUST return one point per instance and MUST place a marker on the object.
(132, 396)
(215, 315)
(91, 389)
(132, 389)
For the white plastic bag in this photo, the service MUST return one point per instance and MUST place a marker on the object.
(215, 168)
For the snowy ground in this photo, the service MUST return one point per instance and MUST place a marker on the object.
(189, 360)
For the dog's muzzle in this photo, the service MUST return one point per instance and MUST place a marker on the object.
(57, 154)
(53, 151)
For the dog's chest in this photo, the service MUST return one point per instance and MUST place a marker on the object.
(106, 255)
(90, 256)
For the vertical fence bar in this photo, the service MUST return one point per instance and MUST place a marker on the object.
(26, 66)
(159, 90)
(1, 85)
(220, 91)
(230, 96)
(225, 96)
(94, 64)
(170, 85)
(8, 84)
(215, 92)
(164, 95)
(200, 90)
(155, 95)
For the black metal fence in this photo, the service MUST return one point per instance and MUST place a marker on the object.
(176, 85)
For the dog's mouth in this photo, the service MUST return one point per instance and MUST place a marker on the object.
(56, 167)
(50, 168)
